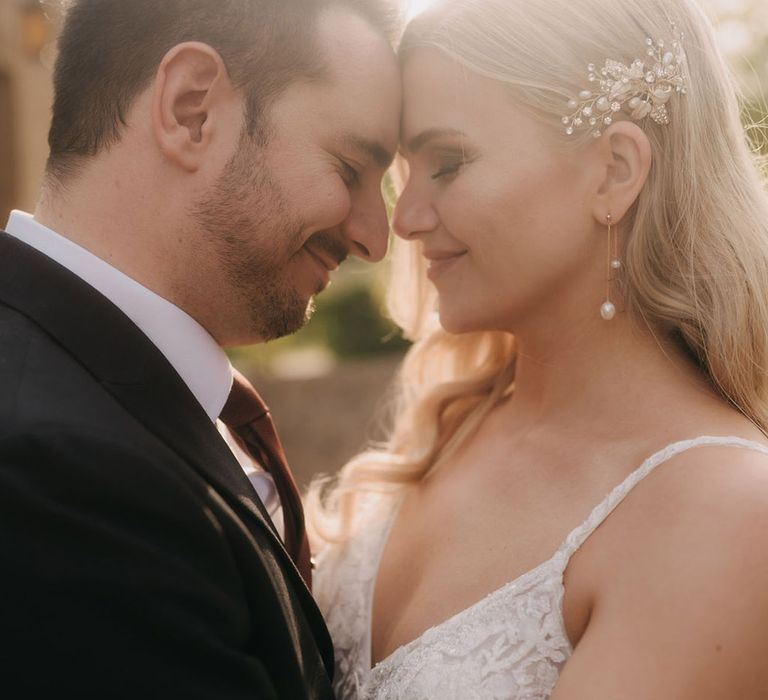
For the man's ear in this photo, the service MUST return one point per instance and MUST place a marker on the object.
(190, 84)
(625, 154)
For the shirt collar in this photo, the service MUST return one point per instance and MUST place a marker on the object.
(189, 348)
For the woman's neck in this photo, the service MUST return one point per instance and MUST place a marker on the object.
(595, 379)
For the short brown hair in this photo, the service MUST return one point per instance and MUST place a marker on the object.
(109, 51)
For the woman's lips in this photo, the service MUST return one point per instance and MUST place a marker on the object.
(441, 261)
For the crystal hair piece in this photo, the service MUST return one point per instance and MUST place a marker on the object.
(640, 90)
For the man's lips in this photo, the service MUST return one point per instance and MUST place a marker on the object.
(328, 261)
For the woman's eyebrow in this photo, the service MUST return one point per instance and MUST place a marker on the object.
(424, 137)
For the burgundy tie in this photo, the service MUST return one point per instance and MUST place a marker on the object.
(247, 416)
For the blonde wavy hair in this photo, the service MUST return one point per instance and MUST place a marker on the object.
(696, 239)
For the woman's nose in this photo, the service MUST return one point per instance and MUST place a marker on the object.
(413, 215)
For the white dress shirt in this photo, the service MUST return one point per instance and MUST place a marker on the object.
(197, 358)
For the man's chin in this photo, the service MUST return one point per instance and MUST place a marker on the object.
(286, 322)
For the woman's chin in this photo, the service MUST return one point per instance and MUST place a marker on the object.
(457, 320)
(458, 323)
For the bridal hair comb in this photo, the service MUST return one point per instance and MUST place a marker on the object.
(640, 90)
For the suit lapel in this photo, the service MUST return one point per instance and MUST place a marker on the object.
(120, 357)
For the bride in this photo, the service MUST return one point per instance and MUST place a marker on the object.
(573, 502)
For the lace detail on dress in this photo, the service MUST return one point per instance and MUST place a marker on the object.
(343, 587)
(511, 645)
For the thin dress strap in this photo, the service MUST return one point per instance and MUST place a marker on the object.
(578, 536)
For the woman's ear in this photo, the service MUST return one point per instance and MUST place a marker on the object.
(625, 153)
(191, 85)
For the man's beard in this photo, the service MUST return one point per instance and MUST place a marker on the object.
(255, 235)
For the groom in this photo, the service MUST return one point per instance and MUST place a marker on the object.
(211, 162)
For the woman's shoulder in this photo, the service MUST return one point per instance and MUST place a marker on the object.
(677, 582)
(713, 475)
(687, 550)
(701, 516)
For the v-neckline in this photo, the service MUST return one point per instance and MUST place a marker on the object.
(386, 530)
(487, 598)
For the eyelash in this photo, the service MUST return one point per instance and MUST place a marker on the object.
(450, 169)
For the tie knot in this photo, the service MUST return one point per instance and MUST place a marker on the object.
(244, 404)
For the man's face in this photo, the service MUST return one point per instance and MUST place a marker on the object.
(284, 215)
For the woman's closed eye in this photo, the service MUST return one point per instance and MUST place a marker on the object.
(448, 162)
(448, 169)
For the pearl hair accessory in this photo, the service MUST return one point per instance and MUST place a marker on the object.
(639, 90)
(608, 310)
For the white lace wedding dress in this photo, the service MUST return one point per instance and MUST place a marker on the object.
(511, 645)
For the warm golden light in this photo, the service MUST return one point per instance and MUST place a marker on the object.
(35, 29)
(414, 7)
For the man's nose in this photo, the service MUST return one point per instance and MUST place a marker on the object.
(367, 230)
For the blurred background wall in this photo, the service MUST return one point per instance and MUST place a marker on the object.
(26, 58)
(328, 383)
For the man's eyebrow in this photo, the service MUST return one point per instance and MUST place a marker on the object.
(424, 137)
(381, 155)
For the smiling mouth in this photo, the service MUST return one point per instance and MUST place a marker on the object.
(439, 263)
(328, 249)
(325, 265)
(328, 262)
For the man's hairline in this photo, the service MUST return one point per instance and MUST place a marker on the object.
(66, 167)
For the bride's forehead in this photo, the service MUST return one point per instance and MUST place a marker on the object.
(458, 105)
(432, 81)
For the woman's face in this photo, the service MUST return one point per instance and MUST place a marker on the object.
(502, 215)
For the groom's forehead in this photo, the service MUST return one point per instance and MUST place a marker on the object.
(359, 96)
(350, 49)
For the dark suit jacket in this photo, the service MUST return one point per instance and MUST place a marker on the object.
(136, 560)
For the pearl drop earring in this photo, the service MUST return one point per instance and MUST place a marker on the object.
(608, 310)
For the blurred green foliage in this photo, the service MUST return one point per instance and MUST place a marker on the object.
(354, 326)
